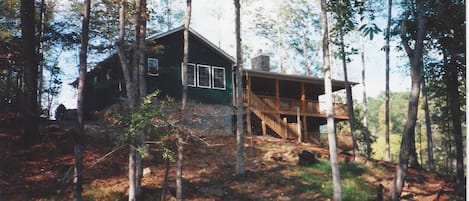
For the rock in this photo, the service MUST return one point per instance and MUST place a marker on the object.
(146, 171)
(306, 158)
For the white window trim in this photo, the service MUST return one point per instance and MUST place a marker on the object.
(209, 76)
(195, 72)
(213, 78)
(157, 67)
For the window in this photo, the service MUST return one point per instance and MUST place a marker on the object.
(218, 78)
(203, 76)
(153, 68)
(191, 75)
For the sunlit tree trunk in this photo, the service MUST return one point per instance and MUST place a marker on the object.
(30, 69)
(415, 57)
(329, 107)
(387, 155)
(239, 102)
(77, 190)
(365, 107)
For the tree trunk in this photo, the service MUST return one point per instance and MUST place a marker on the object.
(180, 144)
(415, 57)
(431, 162)
(129, 86)
(387, 155)
(30, 69)
(455, 111)
(77, 190)
(142, 52)
(239, 102)
(40, 54)
(132, 173)
(348, 91)
(329, 106)
(186, 54)
(413, 158)
(365, 107)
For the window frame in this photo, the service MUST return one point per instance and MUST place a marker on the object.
(194, 84)
(157, 67)
(209, 81)
(213, 77)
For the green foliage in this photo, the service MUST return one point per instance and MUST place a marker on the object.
(318, 178)
(134, 122)
(379, 147)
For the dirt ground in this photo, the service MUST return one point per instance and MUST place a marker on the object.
(42, 170)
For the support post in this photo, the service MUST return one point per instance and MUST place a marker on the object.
(285, 134)
(264, 129)
(305, 128)
(277, 95)
(303, 97)
(298, 123)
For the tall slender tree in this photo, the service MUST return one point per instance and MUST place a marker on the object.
(78, 135)
(415, 57)
(365, 102)
(185, 60)
(428, 127)
(329, 107)
(30, 69)
(239, 100)
(387, 154)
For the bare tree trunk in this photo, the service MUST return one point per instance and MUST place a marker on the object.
(142, 52)
(186, 54)
(387, 155)
(132, 98)
(415, 57)
(239, 102)
(348, 91)
(180, 144)
(129, 86)
(455, 111)
(365, 107)
(337, 196)
(431, 162)
(77, 190)
(30, 69)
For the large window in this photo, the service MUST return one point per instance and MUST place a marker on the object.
(203, 76)
(218, 78)
(153, 67)
(191, 75)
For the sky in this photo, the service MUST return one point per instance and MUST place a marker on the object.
(221, 32)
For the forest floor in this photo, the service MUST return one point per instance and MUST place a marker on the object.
(42, 171)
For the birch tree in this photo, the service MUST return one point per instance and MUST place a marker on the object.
(329, 107)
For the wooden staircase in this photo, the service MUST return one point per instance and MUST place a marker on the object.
(267, 113)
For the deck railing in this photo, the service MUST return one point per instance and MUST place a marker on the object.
(290, 105)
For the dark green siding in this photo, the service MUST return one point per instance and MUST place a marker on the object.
(170, 55)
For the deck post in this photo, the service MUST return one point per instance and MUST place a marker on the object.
(264, 129)
(298, 123)
(277, 95)
(303, 98)
(248, 111)
(286, 127)
(305, 128)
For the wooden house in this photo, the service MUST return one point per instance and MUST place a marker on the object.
(279, 104)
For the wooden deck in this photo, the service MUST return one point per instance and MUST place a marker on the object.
(270, 109)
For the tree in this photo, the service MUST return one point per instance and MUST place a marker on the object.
(30, 69)
(344, 17)
(78, 136)
(366, 131)
(387, 155)
(329, 107)
(239, 101)
(415, 57)
(431, 162)
(179, 195)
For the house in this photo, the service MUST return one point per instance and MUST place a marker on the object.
(280, 104)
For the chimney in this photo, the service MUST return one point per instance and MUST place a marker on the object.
(260, 62)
